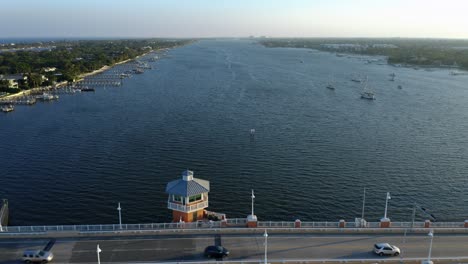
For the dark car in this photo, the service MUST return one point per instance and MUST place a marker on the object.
(216, 252)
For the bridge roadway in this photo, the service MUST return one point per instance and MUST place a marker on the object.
(243, 247)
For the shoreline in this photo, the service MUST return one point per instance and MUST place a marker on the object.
(463, 70)
(64, 83)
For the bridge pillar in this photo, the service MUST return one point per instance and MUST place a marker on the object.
(297, 223)
(385, 223)
(252, 221)
(427, 224)
(342, 223)
(224, 223)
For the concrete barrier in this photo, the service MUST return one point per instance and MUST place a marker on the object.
(427, 224)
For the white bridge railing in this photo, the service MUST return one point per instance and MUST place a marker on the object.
(228, 223)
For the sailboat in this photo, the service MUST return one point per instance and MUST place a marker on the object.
(367, 92)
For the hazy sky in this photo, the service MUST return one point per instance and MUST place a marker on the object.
(234, 18)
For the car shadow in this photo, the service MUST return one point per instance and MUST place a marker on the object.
(359, 255)
(217, 240)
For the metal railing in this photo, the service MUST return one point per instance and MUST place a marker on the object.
(234, 223)
(114, 227)
(271, 224)
(448, 225)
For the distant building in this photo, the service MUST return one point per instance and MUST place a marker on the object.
(49, 69)
(384, 46)
(13, 79)
(357, 47)
(345, 46)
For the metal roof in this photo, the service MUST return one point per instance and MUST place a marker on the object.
(188, 188)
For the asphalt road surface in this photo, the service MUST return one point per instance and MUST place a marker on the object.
(241, 247)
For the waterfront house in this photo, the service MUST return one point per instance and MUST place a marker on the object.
(13, 79)
(49, 69)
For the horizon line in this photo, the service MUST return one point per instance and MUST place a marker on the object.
(221, 37)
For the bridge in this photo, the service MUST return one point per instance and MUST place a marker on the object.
(311, 242)
(244, 247)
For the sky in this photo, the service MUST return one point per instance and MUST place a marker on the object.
(234, 18)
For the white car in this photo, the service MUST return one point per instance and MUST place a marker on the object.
(41, 256)
(386, 249)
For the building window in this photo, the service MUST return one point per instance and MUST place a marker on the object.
(177, 198)
(195, 198)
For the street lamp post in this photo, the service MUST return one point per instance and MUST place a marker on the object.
(428, 261)
(414, 216)
(386, 204)
(98, 250)
(363, 204)
(253, 197)
(265, 235)
(120, 216)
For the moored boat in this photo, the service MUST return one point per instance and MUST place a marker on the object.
(47, 97)
(87, 89)
(7, 108)
(367, 93)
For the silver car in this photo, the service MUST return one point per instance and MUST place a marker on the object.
(386, 249)
(41, 256)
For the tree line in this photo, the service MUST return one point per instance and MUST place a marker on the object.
(72, 58)
(422, 52)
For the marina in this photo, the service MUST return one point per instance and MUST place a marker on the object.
(112, 77)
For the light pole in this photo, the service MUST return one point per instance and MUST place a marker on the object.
(363, 204)
(120, 216)
(98, 250)
(265, 235)
(386, 205)
(414, 216)
(362, 222)
(253, 197)
(428, 261)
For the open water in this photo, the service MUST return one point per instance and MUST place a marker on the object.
(313, 153)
